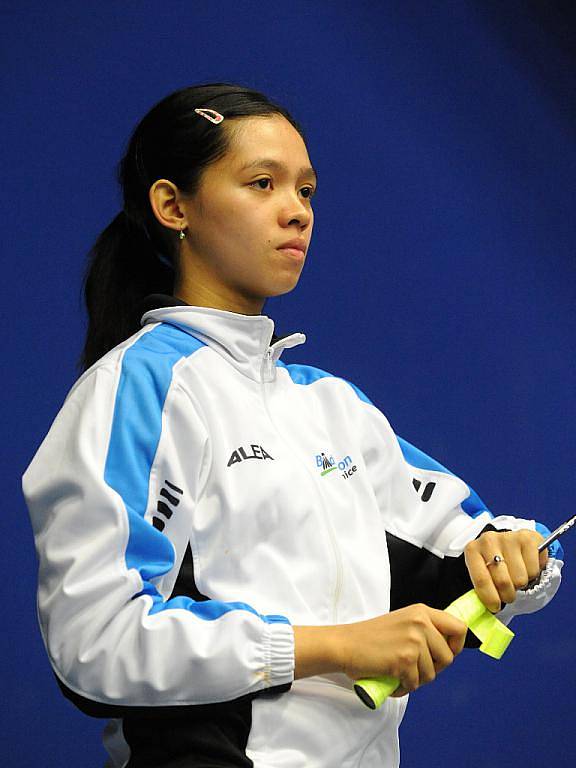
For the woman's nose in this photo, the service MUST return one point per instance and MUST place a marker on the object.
(296, 210)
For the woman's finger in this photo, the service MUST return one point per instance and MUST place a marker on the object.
(514, 554)
(482, 578)
(440, 649)
(543, 558)
(532, 558)
(426, 667)
(502, 580)
(411, 679)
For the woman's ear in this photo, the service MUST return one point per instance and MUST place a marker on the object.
(165, 203)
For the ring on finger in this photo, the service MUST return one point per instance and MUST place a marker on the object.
(496, 560)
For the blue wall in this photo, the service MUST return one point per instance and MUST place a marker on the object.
(441, 280)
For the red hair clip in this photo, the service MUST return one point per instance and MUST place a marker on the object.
(210, 114)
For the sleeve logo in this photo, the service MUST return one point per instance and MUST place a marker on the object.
(427, 491)
(167, 507)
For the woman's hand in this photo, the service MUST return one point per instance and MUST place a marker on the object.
(412, 644)
(496, 581)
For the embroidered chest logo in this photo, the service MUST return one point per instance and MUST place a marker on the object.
(253, 452)
(327, 464)
(166, 508)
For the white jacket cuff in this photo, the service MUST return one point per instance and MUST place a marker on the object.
(279, 654)
(535, 598)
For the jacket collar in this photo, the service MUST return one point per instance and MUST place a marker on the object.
(247, 342)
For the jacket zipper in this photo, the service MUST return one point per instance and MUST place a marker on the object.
(268, 366)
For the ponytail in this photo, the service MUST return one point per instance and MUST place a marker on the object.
(123, 267)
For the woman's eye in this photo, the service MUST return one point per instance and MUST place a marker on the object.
(260, 181)
(307, 192)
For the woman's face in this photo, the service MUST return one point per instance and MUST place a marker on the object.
(250, 202)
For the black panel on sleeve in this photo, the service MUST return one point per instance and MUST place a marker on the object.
(418, 576)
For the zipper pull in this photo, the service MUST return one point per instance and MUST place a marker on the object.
(269, 365)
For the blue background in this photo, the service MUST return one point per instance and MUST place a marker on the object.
(441, 280)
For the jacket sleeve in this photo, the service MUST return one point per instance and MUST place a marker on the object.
(111, 633)
(427, 507)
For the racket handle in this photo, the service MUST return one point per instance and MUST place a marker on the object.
(373, 691)
(494, 635)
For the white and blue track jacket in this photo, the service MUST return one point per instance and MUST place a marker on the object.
(194, 499)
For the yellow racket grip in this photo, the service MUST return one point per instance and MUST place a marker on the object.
(495, 637)
(374, 691)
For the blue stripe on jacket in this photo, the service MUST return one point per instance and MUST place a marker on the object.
(145, 380)
(473, 505)
(307, 374)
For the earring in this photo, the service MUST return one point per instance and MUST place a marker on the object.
(182, 234)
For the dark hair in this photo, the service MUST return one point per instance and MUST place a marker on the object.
(135, 255)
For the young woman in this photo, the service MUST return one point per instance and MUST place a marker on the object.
(227, 542)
